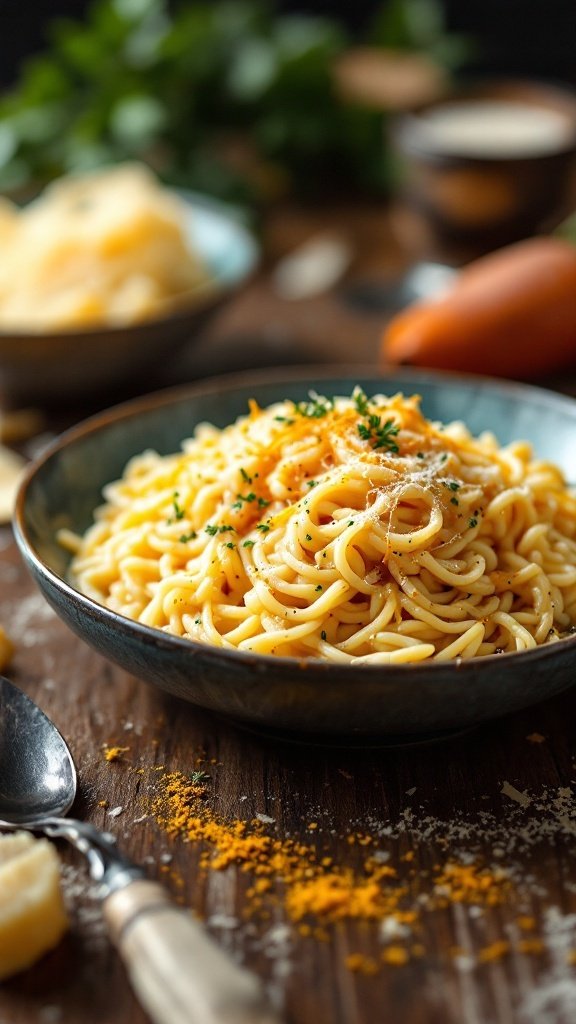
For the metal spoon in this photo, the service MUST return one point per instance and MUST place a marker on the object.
(179, 974)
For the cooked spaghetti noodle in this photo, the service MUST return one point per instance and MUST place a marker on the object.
(351, 529)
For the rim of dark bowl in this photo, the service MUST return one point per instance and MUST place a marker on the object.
(215, 385)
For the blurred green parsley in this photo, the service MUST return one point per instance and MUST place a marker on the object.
(225, 97)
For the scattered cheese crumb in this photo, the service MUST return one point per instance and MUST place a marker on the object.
(11, 469)
(115, 812)
(521, 798)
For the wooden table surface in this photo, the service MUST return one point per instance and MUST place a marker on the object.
(479, 831)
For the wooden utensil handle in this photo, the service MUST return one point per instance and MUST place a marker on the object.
(178, 972)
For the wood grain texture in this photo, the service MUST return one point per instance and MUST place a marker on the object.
(422, 806)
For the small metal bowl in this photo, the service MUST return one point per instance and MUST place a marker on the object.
(63, 366)
(299, 698)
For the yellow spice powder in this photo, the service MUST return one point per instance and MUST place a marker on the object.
(309, 884)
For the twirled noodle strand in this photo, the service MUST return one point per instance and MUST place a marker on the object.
(352, 530)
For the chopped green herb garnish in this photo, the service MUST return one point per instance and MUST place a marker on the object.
(213, 530)
(454, 501)
(240, 498)
(200, 776)
(184, 537)
(262, 503)
(380, 434)
(284, 419)
(263, 527)
(230, 544)
(323, 634)
(420, 455)
(453, 486)
(245, 476)
(248, 544)
(319, 587)
(317, 407)
(443, 457)
(472, 523)
(311, 483)
(360, 401)
(308, 536)
(178, 511)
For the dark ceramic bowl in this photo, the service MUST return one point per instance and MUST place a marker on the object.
(65, 365)
(315, 698)
(485, 198)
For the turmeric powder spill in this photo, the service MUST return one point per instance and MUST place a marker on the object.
(313, 890)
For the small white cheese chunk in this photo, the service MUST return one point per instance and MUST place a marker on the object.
(11, 468)
(32, 914)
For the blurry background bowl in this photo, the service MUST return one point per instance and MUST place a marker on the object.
(66, 365)
(314, 697)
(481, 186)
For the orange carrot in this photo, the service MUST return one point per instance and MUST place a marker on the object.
(511, 314)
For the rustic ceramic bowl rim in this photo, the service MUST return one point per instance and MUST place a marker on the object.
(231, 382)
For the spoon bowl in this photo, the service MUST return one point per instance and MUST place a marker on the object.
(180, 975)
(37, 773)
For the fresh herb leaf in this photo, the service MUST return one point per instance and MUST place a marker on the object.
(178, 510)
(380, 434)
(263, 527)
(360, 401)
(213, 530)
(245, 476)
(248, 544)
(243, 498)
(316, 408)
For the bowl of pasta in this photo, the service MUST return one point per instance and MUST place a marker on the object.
(323, 553)
(107, 275)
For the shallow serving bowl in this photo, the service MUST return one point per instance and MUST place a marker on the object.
(64, 365)
(284, 694)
